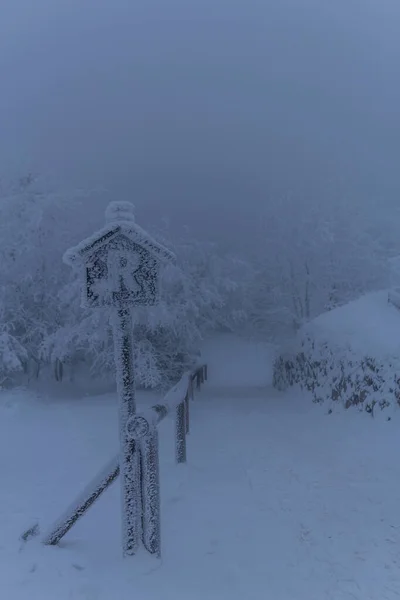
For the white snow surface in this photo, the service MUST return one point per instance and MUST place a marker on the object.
(369, 325)
(278, 500)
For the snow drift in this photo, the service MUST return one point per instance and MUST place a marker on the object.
(350, 355)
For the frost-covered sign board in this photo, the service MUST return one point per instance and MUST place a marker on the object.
(121, 262)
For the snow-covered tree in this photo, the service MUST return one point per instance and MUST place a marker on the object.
(315, 255)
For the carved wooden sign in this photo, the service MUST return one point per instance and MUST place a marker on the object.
(122, 271)
(121, 263)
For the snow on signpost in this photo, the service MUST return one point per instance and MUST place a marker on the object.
(121, 265)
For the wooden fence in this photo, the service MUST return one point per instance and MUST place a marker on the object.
(143, 429)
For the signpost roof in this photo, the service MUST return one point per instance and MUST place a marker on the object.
(120, 220)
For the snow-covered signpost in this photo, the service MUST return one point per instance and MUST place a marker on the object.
(120, 265)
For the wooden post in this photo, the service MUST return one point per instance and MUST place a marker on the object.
(180, 434)
(129, 450)
(191, 388)
(187, 413)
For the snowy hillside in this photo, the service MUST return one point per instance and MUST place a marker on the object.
(349, 355)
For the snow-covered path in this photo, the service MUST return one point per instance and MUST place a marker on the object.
(278, 501)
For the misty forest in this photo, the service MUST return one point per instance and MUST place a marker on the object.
(258, 143)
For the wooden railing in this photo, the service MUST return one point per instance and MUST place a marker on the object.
(143, 429)
(177, 400)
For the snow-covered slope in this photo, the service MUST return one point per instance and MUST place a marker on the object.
(350, 354)
(369, 325)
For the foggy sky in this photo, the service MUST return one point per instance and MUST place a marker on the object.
(187, 105)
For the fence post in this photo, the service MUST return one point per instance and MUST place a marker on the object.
(191, 388)
(187, 413)
(180, 433)
(129, 451)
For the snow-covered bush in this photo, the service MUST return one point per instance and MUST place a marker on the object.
(13, 357)
(350, 355)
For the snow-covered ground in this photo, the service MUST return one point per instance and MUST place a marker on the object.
(278, 500)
